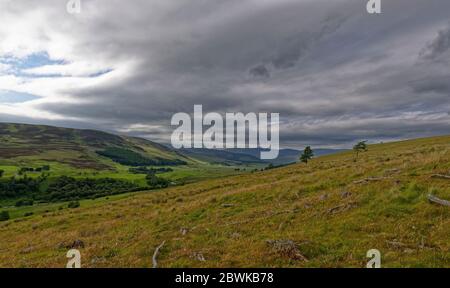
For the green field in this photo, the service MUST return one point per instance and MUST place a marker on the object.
(180, 176)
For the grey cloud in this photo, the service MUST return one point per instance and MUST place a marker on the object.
(260, 71)
(438, 84)
(439, 46)
(295, 47)
(334, 73)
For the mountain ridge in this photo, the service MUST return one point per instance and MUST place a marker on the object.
(101, 139)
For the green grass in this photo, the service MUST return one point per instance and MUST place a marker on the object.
(9, 170)
(180, 175)
(333, 220)
(194, 173)
(184, 173)
(45, 208)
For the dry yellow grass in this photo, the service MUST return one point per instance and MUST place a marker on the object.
(227, 222)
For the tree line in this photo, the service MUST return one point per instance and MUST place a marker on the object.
(27, 190)
(132, 158)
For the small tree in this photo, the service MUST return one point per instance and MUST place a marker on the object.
(1, 173)
(360, 147)
(4, 215)
(156, 182)
(73, 204)
(24, 202)
(307, 155)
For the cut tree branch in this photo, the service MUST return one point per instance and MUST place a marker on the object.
(155, 264)
(371, 179)
(440, 176)
(436, 200)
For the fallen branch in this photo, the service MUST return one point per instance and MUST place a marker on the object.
(436, 200)
(396, 244)
(341, 208)
(155, 264)
(392, 171)
(334, 209)
(371, 179)
(440, 176)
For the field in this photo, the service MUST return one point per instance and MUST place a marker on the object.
(327, 213)
(188, 174)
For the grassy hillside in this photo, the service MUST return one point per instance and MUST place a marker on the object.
(328, 213)
(73, 149)
(36, 151)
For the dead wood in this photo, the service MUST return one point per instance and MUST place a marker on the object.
(370, 179)
(436, 200)
(441, 176)
(341, 208)
(155, 255)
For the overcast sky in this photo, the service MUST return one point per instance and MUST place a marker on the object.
(334, 73)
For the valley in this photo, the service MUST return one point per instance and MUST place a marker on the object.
(327, 213)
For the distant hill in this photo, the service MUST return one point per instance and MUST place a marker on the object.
(285, 156)
(22, 144)
(226, 156)
(252, 155)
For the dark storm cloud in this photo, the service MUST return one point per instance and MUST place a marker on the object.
(439, 85)
(335, 73)
(439, 46)
(297, 46)
(260, 71)
(346, 130)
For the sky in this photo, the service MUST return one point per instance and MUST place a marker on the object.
(335, 73)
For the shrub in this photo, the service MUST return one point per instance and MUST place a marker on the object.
(24, 202)
(16, 188)
(61, 189)
(73, 204)
(68, 188)
(145, 170)
(4, 215)
(156, 182)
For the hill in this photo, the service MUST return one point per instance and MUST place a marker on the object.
(28, 144)
(327, 213)
(251, 155)
(51, 164)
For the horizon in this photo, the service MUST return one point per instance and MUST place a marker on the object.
(168, 144)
